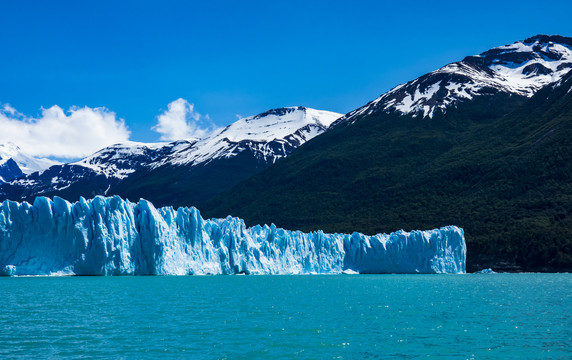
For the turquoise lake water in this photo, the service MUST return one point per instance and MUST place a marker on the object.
(473, 316)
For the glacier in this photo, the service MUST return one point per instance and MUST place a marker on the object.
(112, 236)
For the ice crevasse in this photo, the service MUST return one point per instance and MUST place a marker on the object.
(112, 236)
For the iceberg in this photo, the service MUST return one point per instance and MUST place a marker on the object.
(486, 271)
(112, 236)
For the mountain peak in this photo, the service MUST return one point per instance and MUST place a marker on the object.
(9, 170)
(9, 148)
(275, 124)
(26, 162)
(521, 69)
(541, 38)
(280, 111)
(286, 128)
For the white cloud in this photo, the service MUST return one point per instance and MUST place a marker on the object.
(9, 109)
(62, 134)
(181, 121)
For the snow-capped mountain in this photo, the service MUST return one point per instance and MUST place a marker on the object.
(249, 145)
(521, 69)
(15, 163)
(269, 136)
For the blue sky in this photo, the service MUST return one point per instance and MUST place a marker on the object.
(233, 58)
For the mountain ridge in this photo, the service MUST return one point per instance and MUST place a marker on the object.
(521, 68)
(255, 141)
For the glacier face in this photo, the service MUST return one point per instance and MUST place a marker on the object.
(110, 236)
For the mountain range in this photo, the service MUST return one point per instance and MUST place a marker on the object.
(482, 143)
(181, 172)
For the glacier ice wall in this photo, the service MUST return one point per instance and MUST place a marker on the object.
(110, 236)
